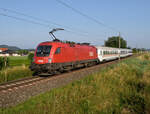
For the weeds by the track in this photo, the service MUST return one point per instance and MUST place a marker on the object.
(14, 73)
(119, 89)
(18, 68)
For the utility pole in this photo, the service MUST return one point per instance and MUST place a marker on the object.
(119, 46)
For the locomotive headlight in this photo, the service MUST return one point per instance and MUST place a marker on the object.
(49, 60)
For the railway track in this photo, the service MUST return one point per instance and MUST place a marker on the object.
(31, 86)
(16, 83)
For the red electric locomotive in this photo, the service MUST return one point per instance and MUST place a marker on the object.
(57, 56)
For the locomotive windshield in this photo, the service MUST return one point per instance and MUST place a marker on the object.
(43, 51)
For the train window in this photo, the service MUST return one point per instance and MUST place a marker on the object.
(57, 50)
(110, 52)
(104, 52)
(43, 50)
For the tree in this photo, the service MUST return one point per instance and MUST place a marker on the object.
(23, 52)
(114, 42)
(30, 57)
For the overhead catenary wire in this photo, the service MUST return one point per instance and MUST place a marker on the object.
(42, 20)
(86, 16)
(77, 32)
(89, 17)
(37, 23)
(32, 17)
(25, 20)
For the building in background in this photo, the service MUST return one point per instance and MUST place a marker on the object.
(7, 52)
(3, 49)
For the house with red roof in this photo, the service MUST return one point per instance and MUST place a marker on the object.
(3, 49)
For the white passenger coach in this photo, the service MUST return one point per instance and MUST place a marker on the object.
(107, 53)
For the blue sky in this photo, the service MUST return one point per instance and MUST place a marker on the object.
(130, 17)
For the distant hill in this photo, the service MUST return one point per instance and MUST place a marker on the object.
(30, 49)
(14, 48)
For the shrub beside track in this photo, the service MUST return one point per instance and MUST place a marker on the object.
(14, 73)
(17, 67)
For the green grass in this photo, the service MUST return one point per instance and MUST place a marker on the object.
(18, 68)
(19, 61)
(14, 73)
(119, 89)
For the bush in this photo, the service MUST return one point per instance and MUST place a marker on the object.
(14, 73)
(30, 57)
(4, 62)
(133, 102)
(146, 57)
(137, 86)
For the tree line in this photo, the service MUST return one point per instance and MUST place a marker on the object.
(114, 42)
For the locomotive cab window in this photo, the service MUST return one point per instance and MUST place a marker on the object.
(58, 50)
(43, 50)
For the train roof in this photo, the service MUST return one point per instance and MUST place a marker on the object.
(66, 43)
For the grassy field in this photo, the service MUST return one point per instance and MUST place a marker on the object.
(14, 73)
(119, 89)
(19, 61)
(17, 69)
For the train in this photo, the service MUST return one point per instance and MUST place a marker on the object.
(52, 57)
(56, 56)
(108, 53)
